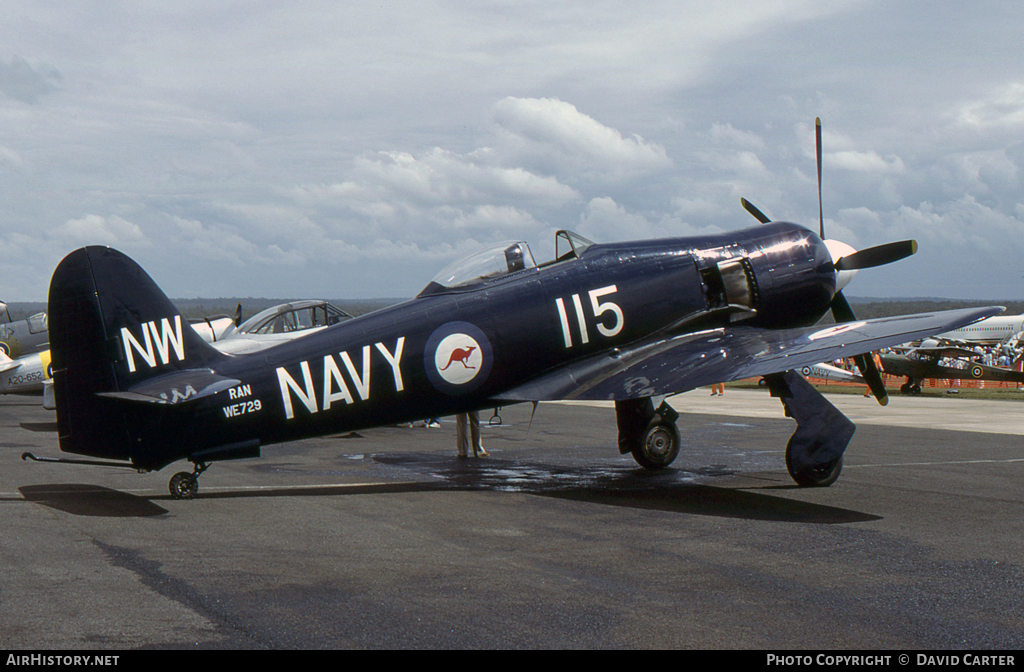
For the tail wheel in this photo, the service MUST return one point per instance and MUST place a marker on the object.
(183, 485)
(658, 446)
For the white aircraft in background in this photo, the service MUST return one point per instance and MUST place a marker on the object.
(833, 373)
(990, 331)
(277, 324)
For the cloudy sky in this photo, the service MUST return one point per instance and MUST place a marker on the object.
(341, 150)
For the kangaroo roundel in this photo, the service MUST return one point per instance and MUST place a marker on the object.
(458, 357)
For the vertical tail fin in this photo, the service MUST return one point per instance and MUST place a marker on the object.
(111, 328)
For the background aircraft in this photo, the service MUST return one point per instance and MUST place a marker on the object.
(213, 329)
(833, 373)
(22, 337)
(279, 324)
(827, 372)
(27, 374)
(990, 331)
(919, 364)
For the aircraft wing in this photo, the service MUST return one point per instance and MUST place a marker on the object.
(668, 365)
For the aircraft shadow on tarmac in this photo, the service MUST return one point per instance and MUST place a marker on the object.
(671, 490)
(39, 426)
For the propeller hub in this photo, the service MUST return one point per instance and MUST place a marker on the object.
(837, 249)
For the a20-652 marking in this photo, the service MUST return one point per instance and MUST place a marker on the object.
(598, 308)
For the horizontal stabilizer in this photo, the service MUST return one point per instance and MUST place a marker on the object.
(176, 388)
(8, 364)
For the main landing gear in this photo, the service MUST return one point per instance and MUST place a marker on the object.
(650, 435)
(814, 454)
(910, 387)
(184, 485)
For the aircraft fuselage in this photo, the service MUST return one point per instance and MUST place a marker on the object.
(453, 350)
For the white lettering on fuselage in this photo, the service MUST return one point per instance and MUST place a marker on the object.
(155, 344)
(239, 392)
(335, 387)
(241, 408)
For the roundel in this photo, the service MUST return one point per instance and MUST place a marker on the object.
(806, 371)
(977, 371)
(457, 358)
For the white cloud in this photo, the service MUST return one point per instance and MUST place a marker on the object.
(865, 162)
(441, 176)
(555, 130)
(98, 230)
(1004, 108)
(726, 133)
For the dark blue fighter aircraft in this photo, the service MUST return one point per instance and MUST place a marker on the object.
(630, 322)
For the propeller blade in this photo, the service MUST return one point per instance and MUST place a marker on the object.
(817, 146)
(752, 209)
(877, 255)
(842, 312)
(869, 371)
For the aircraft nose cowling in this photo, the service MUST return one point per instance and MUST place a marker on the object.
(795, 278)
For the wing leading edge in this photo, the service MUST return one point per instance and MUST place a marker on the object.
(664, 365)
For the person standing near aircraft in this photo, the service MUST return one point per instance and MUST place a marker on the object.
(466, 434)
(718, 389)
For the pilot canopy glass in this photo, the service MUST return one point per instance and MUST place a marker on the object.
(488, 264)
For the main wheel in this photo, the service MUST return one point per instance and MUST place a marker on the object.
(183, 485)
(658, 446)
(821, 476)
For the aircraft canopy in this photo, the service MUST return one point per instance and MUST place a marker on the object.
(487, 264)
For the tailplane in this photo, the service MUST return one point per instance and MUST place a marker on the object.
(115, 338)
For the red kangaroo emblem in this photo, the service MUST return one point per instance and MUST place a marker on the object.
(461, 356)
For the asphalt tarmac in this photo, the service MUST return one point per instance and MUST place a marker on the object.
(384, 539)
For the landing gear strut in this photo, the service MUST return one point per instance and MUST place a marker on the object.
(650, 435)
(184, 485)
(910, 387)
